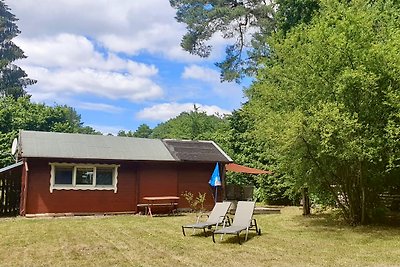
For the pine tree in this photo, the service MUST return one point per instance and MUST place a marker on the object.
(13, 79)
(246, 24)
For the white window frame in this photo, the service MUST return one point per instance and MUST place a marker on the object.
(74, 186)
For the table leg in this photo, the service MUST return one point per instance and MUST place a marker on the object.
(173, 208)
(151, 215)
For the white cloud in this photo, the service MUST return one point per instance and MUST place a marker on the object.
(59, 83)
(211, 77)
(74, 51)
(126, 26)
(81, 48)
(107, 129)
(165, 111)
(92, 40)
(100, 107)
(69, 64)
(201, 73)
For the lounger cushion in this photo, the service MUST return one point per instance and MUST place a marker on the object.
(231, 230)
(200, 225)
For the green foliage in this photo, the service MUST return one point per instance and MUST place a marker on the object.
(233, 19)
(249, 150)
(126, 134)
(21, 113)
(294, 12)
(327, 103)
(276, 190)
(5, 148)
(196, 125)
(195, 204)
(246, 23)
(193, 125)
(13, 79)
(143, 131)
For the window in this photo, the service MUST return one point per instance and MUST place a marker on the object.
(64, 175)
(83, 177)
(104, 176)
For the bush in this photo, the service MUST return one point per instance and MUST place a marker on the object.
(195, 204)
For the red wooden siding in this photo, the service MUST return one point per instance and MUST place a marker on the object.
(158, 179)
(40, 200)
(194, 177)
(135, 180)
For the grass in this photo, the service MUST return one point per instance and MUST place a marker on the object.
(287, 239)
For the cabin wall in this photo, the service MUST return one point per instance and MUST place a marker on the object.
(194, 177)
(157, 179)
(40, 200)
(135, 181)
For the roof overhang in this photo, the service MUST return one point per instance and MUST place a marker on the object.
(10, 167)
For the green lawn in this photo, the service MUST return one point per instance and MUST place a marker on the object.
(287, 239)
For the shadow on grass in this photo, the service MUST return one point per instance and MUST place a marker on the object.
(198, 232)
(163, 214)
(227, 238)
(326, 219)
(232, 239)
(167, 215)
(332, 221)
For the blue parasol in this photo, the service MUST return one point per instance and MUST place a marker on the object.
(215, 180)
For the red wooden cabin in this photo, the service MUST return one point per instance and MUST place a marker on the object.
(77, 173)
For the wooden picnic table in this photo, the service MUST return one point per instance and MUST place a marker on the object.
(166, 201)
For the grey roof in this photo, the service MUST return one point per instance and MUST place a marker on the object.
(10, 167)
(34, 144)
(83, 146)
(204, 151)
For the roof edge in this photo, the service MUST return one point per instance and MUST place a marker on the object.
(12, 166)
(221, 151)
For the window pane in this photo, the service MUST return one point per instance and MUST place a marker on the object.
(63, 175)
(84, 176)
(104, 176)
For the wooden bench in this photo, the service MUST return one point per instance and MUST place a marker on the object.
(148, 207)
(165, 201)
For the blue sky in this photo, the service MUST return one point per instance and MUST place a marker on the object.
(118, 63)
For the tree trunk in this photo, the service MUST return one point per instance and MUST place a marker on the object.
(362, 195)
(306, 202)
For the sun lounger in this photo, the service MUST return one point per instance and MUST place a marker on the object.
(242, 221)
(217, 217)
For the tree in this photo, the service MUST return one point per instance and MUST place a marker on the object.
(246, 22)
(21, 113)
(125, 134)
(327, 103)
(251, 151)
(193, 125)
(294, 12)
(143, 131)
(196, 125)
(13, 79)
